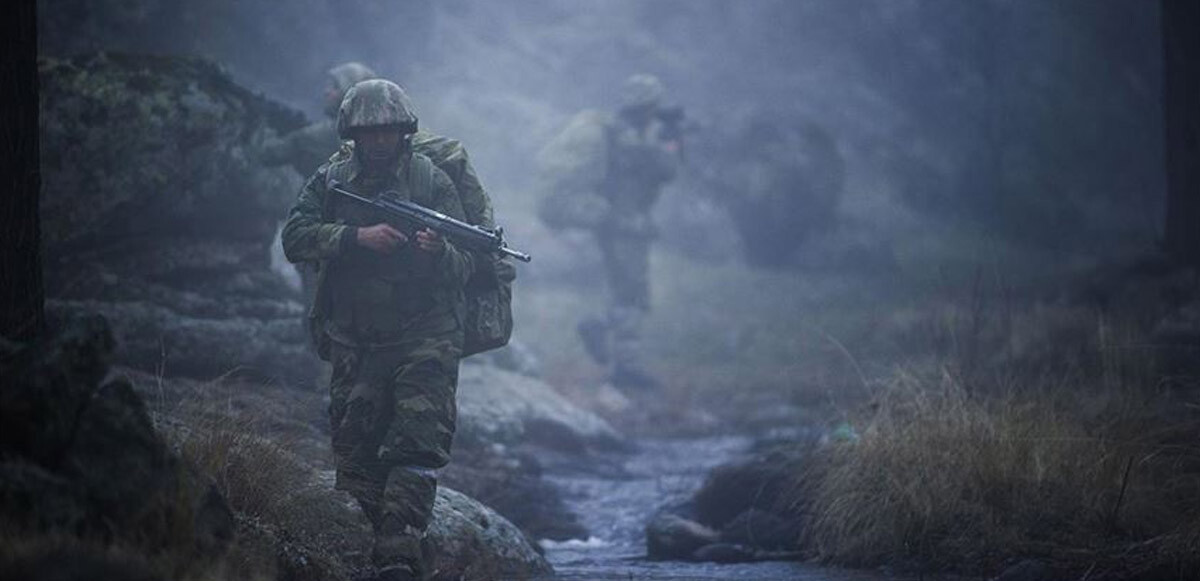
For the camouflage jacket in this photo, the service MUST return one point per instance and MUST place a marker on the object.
(603, 174)
(321, 228)
(305, 150)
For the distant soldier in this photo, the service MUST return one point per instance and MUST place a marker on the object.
(311, 146)
(604, 173)
(388, 313)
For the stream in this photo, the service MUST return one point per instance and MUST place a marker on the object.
(615, 503)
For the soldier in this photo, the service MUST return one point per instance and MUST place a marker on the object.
(387, 315)
(312, 146)
(604, 173)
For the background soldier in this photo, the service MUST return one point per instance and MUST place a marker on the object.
(387, 314)
(308, 148)
(604, 173)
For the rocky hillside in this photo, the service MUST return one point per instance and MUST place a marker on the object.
(158, 218)
(156, 215)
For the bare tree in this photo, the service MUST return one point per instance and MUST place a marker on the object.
(1181, 96)
(21, 294)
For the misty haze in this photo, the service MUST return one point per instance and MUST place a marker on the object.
(820, 290)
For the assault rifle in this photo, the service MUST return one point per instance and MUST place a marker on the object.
(467, 236)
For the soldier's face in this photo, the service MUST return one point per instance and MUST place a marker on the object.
(378, 144)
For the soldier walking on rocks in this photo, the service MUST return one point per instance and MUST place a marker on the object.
(388, 315)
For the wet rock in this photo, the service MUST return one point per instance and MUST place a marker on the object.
(670, 536)
(473, 542)
(511, 483)
(497, 406)
(278, 553)
(762, 529)
(724, 553)
(760, 482)
(743, 512)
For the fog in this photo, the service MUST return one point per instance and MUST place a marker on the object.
(1041, 119)
(877, 198)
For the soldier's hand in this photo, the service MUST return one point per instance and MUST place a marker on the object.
(430, 241)
(381, 238)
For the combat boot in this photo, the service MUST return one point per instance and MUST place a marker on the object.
(398, 557)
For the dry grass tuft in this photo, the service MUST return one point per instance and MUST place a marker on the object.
(256, 475)
(289, 522)
(1087, 466)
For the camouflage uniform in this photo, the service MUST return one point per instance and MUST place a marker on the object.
(604, 173)
(310, 147)
(394, 326)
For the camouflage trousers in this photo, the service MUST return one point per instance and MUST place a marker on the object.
(615, 337)
(392, 412)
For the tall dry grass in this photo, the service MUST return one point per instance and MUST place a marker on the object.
(1064, 444)
(290, 522)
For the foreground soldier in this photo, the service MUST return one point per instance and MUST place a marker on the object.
(604, 173)
(387, 314)
(308, 148)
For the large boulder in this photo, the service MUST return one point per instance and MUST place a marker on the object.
(157, 213)
(501, 407)
(137, 148)
(511, 482)
(80, 457)
(474, 542)
(745, 511)
(270, 447)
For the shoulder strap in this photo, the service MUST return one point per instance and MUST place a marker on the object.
(338, 169)
(420, 179)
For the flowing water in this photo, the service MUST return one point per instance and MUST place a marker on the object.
(614, 503)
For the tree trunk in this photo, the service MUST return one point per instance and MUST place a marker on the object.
(21, 295)
(1181, 105)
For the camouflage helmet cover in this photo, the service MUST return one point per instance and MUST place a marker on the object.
(642, 91)
(346, 75)
(376, 102)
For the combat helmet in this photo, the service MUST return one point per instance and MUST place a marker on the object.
(642, 91)
(376, 102)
